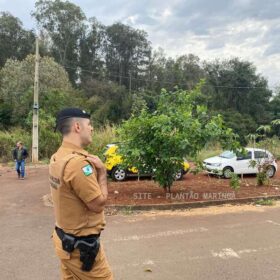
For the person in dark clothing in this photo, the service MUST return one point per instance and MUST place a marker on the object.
(19, 155)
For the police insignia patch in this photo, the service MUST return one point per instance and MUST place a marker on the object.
(87, 170)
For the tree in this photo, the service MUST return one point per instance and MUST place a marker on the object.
(108, 102)
(275, 110)
(188, 71)
(241, 124)
(264, 165)
(63, 22)
(185, 71)
(127, 54)
(16, 90)
(159, 141)
(15, 41)
(92, 49)
(233, 85)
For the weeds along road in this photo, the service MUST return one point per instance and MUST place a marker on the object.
(229, 242)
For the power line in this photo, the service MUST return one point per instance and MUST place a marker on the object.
(156, 81)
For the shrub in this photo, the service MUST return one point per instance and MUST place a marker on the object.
(49, 141)
(8, 140)
(234, 181)
(100, 139)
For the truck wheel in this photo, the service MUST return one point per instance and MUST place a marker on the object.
(179, 175)
(119, 174)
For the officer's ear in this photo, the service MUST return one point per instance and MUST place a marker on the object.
(77, 124)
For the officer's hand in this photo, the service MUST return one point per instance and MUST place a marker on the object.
(97, 162)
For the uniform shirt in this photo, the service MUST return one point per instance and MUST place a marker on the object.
(73, 184)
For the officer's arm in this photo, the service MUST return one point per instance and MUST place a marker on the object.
(91, 188)
(98, 204)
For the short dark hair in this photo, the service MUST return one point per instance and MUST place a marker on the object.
(64, 126)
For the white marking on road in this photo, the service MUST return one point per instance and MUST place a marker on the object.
(272, 222)
(233, 226)
(148, 262)
(160, 234)
(247, 251)
(226, 253)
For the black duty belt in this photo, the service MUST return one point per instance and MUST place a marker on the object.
(88, 245)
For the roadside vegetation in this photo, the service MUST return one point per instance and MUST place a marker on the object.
(113, 72)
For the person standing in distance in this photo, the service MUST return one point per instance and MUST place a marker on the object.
(19, 155)
(78, 183)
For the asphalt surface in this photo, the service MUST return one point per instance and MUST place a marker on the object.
(242, 244)
(225, 246)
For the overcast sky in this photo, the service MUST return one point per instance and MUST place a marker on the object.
(249, 29)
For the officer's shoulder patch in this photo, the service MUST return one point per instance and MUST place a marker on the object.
(87, 169)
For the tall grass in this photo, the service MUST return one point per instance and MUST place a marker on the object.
(211, 149)
(101, 138)
(8, 140)
(270, 144)
(214, 149)
(49, 142)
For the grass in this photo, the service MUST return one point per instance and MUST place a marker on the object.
(214, 149)
(101, 137)
(265, 202)
(127, 210)
(270, 144)
(106, 135)
(210, 150)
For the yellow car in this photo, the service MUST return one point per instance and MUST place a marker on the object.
(113, 163)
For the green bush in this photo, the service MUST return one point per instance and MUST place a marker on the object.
(272, 145)
(262, 178)
(8, 140)
(100, 139)
(234, 181)
(49, 141)
(265, 202)
(210, 150)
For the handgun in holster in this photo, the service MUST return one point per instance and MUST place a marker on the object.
(88, 252)
(88, 247)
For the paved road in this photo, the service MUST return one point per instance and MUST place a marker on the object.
(226, 246)
(242, 244)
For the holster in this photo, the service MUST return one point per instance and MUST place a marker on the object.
(87, 245)
(88, 252)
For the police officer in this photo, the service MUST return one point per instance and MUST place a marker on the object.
(78, 183)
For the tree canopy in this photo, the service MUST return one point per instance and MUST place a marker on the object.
(115, 71)
(160, 141)
(15, 41)
(16, 91)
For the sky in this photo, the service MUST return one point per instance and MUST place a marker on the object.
(210, 29)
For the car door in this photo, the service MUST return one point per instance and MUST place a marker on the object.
(243, 163)
(260, 157)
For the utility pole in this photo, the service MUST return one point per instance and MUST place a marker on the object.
(35, 140)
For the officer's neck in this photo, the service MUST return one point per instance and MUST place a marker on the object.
(72, 139)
